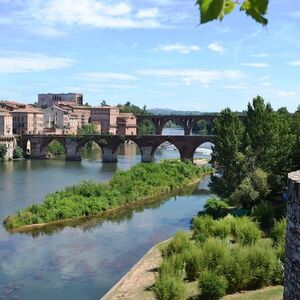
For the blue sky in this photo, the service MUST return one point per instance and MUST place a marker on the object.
(149, 52)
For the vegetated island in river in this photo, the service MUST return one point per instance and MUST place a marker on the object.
(88, 199)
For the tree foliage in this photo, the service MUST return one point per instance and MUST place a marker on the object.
(216, 9)
(3, 151)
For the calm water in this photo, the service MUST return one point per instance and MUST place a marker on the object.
(82, 261)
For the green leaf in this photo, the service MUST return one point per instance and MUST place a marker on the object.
(256, 9)
(229, 6)
(211, 10)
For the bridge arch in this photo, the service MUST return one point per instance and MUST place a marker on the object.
(59, 146)
(166, 150)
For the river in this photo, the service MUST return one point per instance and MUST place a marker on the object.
(85, 260)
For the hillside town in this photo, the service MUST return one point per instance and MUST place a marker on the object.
(61, 114)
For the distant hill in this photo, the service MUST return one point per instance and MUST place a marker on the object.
(166, 111)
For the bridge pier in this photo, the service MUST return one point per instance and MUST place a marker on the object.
(109, 155)
(147, 154)
(72, 151)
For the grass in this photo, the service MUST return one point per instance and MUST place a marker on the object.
(268, 293)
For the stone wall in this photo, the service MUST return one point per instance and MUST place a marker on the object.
(292, 251)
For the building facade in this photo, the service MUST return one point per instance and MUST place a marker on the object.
(6, 133)
(60, 121)
(106, 116)
(48, 100)
(83, 113)
(126, 124)
(28, 121)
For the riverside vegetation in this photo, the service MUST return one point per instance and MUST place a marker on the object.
(90, 198)
(226, 254)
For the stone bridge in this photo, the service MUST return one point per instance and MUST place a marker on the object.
(36, 145)
(186, 121)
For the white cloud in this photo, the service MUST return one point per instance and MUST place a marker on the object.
(94, 13)
(256, 65)
(235, 87)
(191, 76)
(32, 62)
(107, 76)
(260, 55)
(286, 93)
(295, 63)
(147, 13)
(216, 47)
(185, 49)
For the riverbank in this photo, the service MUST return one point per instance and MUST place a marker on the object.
(89, 199)
(137, 282)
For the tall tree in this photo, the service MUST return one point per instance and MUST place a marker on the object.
(268, 133)
(227, 155)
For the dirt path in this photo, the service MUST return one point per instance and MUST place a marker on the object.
(135, 284)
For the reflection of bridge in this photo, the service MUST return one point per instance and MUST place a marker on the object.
(187, 122)
(109, 144)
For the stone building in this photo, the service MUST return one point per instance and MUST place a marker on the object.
(60, 121)
(292, 244)
(11, 105)
(83, 113)
(106, 116)
(126, 124)
(28, 121)
(48, 100)
(6, 133)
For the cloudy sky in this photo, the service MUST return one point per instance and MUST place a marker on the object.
(149, 52)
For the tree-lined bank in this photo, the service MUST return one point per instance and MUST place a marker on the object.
(90, 198)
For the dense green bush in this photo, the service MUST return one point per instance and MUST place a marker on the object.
(3, 151)
(18, 153)
(245, 231)
(226, 255)
(193, 262)
(264, 214)
(179, 243)
(169, 288)
(216, 208)
(213, 286)
(278, 232)
(90, 198)
(202, 227)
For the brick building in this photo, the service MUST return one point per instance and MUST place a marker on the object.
(126, 124)
(106, 116)
(28, 121)
(83, 113)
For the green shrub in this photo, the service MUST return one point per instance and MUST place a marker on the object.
(214, 252)
(245, 231)
(221, 229)
(179, 243)
(264, 214)
(3, 151)
(169, 288)
(216, 208)
(173, 266)
(263, 262)
(236, 269)
(18, 153)
(193, 263)
(202, 227)
(212, 285)
(278, 232)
